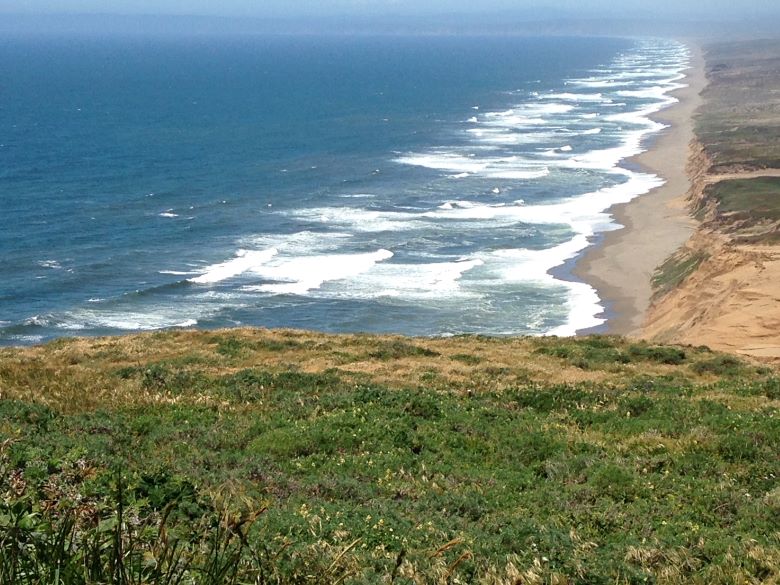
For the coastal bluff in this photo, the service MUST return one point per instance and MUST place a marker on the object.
(721, 288)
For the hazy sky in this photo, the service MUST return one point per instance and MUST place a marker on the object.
(301, 8)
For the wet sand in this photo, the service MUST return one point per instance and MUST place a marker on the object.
(621, 266)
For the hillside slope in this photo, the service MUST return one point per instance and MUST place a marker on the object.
(258, 456)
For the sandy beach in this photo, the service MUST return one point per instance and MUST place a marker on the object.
(656, 224)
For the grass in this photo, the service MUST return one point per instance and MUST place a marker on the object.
(675, 269)
(748, 201)
(739, 122)
(166, 458)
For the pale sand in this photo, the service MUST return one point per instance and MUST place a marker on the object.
(656, 225)
(730, 303)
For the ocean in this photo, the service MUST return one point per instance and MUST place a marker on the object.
(414, 185)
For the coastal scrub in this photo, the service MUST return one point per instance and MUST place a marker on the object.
(292, 457)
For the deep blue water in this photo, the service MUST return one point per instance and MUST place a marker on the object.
(412, 185)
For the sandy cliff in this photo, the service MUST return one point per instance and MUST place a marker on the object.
(728, 296)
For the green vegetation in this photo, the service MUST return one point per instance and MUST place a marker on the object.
(756, 198)
(748, 204)
(283, 457)
(739, 122)
(675, 270)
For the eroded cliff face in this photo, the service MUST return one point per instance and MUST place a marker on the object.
(722, 288)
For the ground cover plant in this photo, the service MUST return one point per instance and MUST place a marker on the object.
(255, 456)
(739, 122)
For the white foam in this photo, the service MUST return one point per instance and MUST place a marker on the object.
(244, 261)
(444, 161)
(512, 120)
(509, 136)
(654, 92)
(517, 174)
(596, 83)
(53, 264)
(550, 152)
(358, 220)
(162, 318)
(39, 321)
(610, 158)
(533, 114)
(606, 159)
(299, 275)
(27, 338)
(521, 266)
(575, 97)
(585, 213)
(298, 243)
(511, 167)
(176, 272)
(435, 282)
(591, 131)
(547, 109)
(168, 213)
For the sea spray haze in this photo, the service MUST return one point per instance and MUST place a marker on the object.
(411, 185)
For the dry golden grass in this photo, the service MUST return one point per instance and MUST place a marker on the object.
(80, 373)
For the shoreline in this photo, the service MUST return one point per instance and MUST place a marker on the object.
(621, 263)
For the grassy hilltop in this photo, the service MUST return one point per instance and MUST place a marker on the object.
(738, 127)
(739, 122)
(252, 456)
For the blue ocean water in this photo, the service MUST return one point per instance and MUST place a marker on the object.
(423, 186)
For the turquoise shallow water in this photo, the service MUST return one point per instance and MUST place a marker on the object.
(415, 185)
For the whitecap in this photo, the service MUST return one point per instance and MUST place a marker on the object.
(244, 260)
(510, 167)
(39, 321)
(357, 219)
(160, 318)
(575, 97)
(26, 339)
(434, 282)
(299, 275)
(497, 137)
(53, 264)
